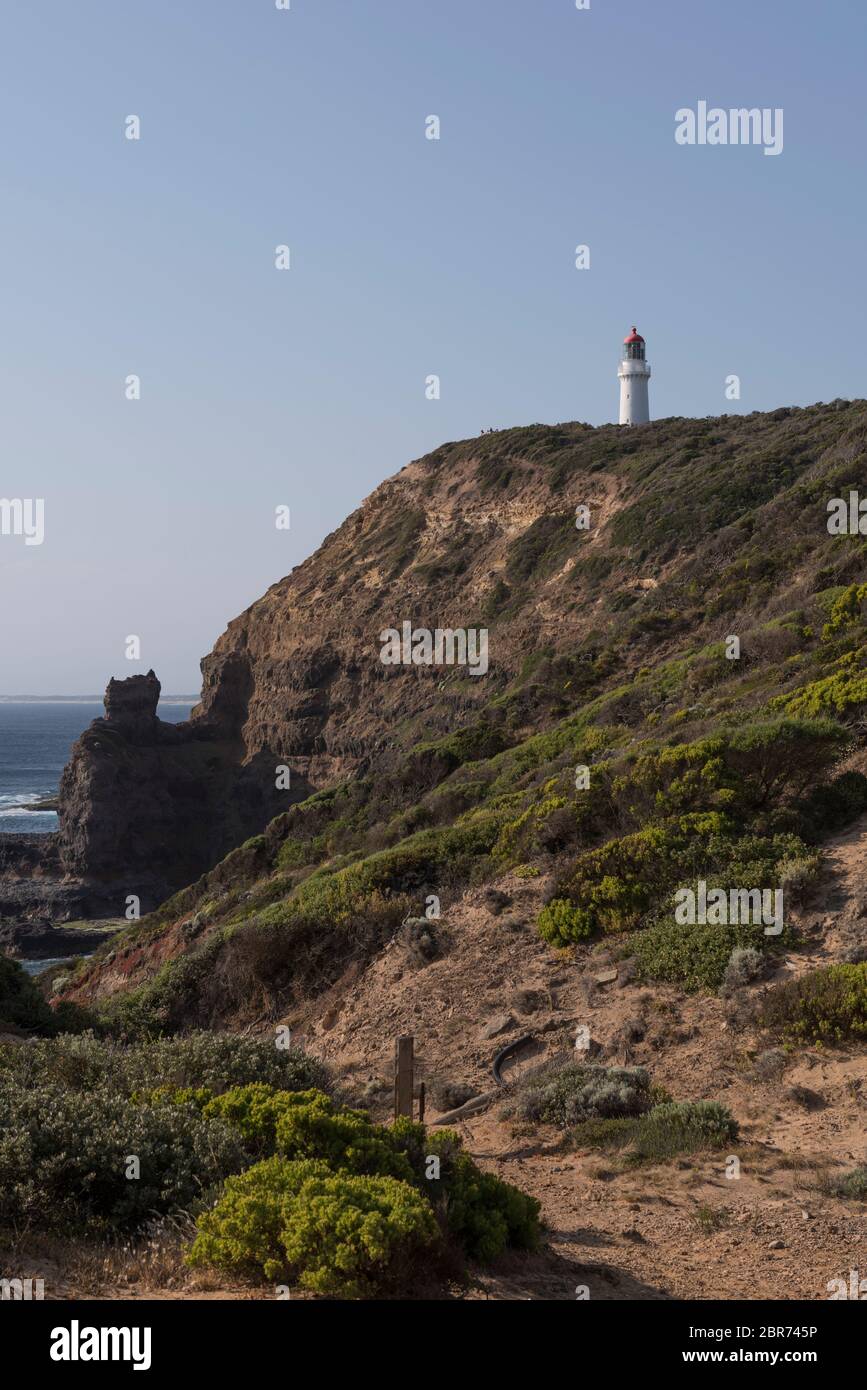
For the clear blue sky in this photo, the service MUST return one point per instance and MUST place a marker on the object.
(409, 257)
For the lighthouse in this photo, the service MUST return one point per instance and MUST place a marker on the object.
(634, 374)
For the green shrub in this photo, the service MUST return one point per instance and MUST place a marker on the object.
(797, 877)
(666, 1131)
(853, 1184)
(693, 955)
(844, 690)
(622, 881)
(64, 1157)
(486, 1215)
(683, 1127)
(845, 611)
(214, 1061)
(483, 1214)
(378, 887)
(258, 1222)
(73, 1108)
(21, 1003)
(616, 884)
(242, 1231)
(832, 805)
(334, 1233)
(253, 1111)
(561, 923)
(307, 1124)
(564, 1093)
(552, 822)
(479, 1211)
(700, 810)
(443, 755)
(828, 1005)
(353, 1236)
(784, 755)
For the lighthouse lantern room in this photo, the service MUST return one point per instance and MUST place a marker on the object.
(634, 374)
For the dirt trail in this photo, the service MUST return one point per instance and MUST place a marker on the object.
(834, 921)
(846, 860)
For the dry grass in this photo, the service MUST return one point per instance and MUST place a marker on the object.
(87, 1268)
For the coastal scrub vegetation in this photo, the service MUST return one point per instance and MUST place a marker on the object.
(671, 1130)
(343, 1205)
(281, 1178)
(618, 1109)
(748, 805)
(823, 1006)
(23, 1005)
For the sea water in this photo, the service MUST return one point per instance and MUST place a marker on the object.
(35, 742)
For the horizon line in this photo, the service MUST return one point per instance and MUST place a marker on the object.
(87, 699)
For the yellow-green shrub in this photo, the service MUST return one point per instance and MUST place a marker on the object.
(334, 1233)
(828, 1005)
(308, 1124)
(560, 923)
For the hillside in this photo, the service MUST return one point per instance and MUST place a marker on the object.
(606, 648)
(618, 750)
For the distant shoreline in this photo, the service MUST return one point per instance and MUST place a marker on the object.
(87, 699)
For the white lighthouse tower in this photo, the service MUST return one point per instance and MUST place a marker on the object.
(634, 374)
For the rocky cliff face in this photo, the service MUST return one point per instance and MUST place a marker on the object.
(484, 533)
(480, 534)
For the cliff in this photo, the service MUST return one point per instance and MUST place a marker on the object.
(609, 649)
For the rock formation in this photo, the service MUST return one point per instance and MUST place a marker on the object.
(144, 806)
(148, 805)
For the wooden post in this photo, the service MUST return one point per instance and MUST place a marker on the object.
(403, 1077)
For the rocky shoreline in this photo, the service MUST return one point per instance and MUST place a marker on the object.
(47, 941)
(37, 902)
(45, 803)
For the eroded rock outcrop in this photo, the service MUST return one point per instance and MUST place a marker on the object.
(147, 805)
(144, 807)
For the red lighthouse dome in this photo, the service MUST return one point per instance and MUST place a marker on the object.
(633, 346)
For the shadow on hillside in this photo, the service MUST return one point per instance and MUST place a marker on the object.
(549, 1276)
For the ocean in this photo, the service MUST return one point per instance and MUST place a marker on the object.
(35, 741)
